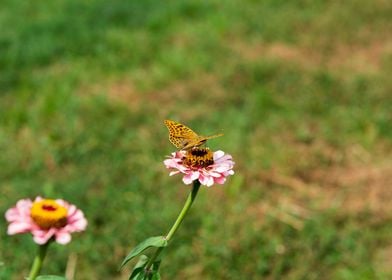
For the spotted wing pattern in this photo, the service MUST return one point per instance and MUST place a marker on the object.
(183, 137)
(179, 134)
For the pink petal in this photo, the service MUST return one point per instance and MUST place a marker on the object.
(63, 237)
(40, 240)
(195, 175)
(24, 203)
(62, 203)
(212, 173)
(72, 210)
(223, 168)
(183, 169)
(169, 163)
(42, 236)
(79, 224)
(225, 158)
(220, 180)
(218, 155)
(188, 178)
(18, 227)
(206, 180)
(12, 214)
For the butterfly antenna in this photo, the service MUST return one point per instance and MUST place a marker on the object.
(215, 136)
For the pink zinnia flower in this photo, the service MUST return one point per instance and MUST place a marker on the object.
(201, 164)
(45, 219)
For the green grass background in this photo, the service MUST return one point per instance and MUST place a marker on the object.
(301, 90)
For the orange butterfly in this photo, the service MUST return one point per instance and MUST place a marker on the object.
(185, 138)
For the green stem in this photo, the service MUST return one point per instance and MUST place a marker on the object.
(38, 260)
(187, 206)
(188, 203)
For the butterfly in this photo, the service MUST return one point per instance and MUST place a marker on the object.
(185, 138)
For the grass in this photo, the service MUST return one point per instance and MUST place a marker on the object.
(300, 89)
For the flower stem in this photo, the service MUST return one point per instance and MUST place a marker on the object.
(38, 260)
(187, 206)
(188, 203)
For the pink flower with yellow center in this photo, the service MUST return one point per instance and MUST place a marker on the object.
(45, 219)
(201, 164)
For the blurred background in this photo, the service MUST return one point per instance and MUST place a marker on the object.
(302, 91)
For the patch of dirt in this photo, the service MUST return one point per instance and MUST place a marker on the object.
(358, 188)
(352, 190)
(357, 58)
(188, 89)
(352, 181)
(119, 91)
(162, 102)
(384, 260)
(124, 91)
(275, 51)
(360, 58)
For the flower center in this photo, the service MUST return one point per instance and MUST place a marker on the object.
(48, 213)
(198, 157)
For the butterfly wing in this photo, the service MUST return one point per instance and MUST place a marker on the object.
(200, 140)
(180, 135)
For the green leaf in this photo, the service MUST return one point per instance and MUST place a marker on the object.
(138, 270)
(156, 241)
(50, 277)
(156, 264)
(156, 276)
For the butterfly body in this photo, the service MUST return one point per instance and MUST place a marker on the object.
(185, 138)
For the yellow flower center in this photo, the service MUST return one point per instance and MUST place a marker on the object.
(48, 213)
(198, 157)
